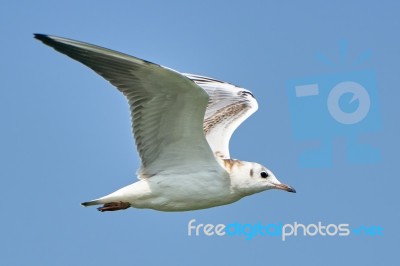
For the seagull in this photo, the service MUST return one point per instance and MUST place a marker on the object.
(182, 125)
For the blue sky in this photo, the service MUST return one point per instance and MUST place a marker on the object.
(65, 132)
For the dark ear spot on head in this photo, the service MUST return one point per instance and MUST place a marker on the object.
(251, 172)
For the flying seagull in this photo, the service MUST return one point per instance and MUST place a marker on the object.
(182, 124)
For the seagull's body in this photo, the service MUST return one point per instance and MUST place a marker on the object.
(168, 192)
(182, 124)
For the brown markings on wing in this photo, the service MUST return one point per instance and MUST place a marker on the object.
(219, 154)
(226, 113)
(231, 163)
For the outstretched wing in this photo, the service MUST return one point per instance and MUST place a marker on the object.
(228, 106)
(167, 108)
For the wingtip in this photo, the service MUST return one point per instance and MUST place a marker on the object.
(45, 38)
(40, 36)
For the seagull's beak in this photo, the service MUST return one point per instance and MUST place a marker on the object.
(285, 187)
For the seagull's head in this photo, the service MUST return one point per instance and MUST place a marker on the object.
(249, 178)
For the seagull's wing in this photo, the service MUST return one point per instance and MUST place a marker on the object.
(228, 106)
(167, 108)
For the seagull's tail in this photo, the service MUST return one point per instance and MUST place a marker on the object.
(91, 203)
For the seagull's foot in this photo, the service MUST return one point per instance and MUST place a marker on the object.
(114, 206)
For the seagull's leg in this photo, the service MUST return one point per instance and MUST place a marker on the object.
(114, 206)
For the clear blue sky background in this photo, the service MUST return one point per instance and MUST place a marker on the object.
(65, 132)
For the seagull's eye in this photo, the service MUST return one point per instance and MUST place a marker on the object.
(264, 174)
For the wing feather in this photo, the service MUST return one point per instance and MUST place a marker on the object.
(228, 107)
(167, 108)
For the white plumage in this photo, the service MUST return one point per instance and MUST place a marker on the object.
(182, 124)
